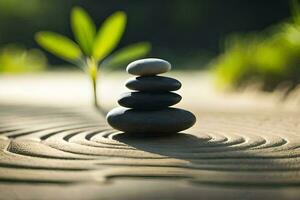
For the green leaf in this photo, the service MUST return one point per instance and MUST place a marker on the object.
(59, 45)
(127, 54)
(109, 35)
(83, 28)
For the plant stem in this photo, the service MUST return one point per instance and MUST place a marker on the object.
(94, 83)
(93, 73)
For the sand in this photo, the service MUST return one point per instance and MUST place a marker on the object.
(71, 153)
(54, 146)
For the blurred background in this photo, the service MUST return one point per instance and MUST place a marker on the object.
(189, 33)
(227, 46)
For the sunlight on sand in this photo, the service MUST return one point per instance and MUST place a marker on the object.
(74, 89)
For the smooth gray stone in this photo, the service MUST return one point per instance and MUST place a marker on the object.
(159, 122)
(148, 100)
(148, 67)
(153, 83)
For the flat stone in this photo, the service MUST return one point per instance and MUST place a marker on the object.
(153, 83)
(159, 122)
(148, 67)
(148, 100)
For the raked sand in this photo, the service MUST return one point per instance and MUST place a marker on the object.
(50, 151)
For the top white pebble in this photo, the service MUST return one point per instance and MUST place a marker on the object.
(148, 67)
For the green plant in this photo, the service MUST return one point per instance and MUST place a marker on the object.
(270, 57)
(15, 59)
(93, 48)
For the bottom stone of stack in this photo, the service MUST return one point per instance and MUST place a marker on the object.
(157, 122)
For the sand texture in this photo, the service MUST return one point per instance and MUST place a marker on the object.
(51, 153)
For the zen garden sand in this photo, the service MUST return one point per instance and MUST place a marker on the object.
(242, 145)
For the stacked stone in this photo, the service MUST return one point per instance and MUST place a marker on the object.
(148, 110)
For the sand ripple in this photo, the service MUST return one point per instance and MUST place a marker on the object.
(55, 145)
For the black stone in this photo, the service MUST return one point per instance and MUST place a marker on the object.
(158, 122)
(148, 101)
(153, 83)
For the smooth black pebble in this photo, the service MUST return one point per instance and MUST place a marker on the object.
(166, 121)
(153, 83)
(148, 100)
